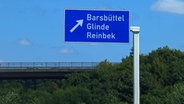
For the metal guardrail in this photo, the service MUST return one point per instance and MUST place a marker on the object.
(48, 65)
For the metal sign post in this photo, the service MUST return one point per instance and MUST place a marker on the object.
(136, 31)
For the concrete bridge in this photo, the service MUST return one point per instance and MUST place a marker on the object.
(32, 70)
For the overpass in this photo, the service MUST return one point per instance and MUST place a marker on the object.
(31, 70)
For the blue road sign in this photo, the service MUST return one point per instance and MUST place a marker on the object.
(96, 26)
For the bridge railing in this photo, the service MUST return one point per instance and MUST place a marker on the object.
(48, 65)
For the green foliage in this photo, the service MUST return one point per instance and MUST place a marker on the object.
(161, 75)
(101, 83)
(72, 95)
(10, 96)
(168, 95)
(37, 97)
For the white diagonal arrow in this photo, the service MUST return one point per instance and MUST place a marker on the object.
(79, 23)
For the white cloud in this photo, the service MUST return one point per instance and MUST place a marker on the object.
(24, 42)
(172, 6)
(66, 51)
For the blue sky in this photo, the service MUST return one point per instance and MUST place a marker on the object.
(33, 30)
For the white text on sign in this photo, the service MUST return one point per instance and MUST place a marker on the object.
(94, 26)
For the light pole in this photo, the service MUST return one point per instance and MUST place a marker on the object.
(136, 30)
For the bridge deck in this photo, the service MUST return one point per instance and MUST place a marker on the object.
(17, 70)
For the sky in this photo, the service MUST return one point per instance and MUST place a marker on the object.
(33, 30)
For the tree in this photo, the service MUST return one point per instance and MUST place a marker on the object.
(72, 95)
